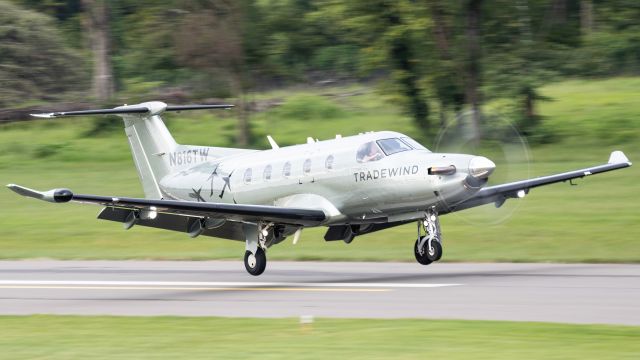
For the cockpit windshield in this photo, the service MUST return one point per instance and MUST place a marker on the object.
(376, 150)
(414, 144)
(393, 145)
(369, 152)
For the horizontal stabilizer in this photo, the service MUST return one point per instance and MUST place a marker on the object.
(139, 110)
(151, 108)
(198, 107)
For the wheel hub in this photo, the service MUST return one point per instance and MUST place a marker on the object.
(251, 261)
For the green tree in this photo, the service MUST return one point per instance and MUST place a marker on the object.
(97, 25)
(524, 50)
(390, 37)
(35, 62)
(611, 44)
(209, 38)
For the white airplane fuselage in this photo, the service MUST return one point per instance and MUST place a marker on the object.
(327, 175)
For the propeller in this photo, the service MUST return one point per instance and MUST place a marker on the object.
(510, 160)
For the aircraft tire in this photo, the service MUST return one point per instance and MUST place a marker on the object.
(422, 259)
(256, 265)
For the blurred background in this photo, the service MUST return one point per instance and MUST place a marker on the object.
(555, 80)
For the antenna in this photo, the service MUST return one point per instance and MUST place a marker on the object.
(272, 142)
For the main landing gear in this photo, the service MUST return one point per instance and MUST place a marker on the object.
(255, 257)
(255, 263)
(428, 247)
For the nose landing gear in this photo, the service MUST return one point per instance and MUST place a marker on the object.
(428, 247)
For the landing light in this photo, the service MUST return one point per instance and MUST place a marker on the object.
(521, 193)
(432, 218)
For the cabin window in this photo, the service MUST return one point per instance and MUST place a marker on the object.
(267, 172)
(286, 169)
(306, 167)
(329, 162)
(392, 146)
(247, 176)
(369, 152)
(414, 144)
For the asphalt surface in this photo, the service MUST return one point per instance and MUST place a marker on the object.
(577, 293)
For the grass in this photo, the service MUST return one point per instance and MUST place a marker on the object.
(594, 222)
(70, 337)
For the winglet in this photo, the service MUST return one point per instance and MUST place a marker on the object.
(618, 157)
(25, 191)
(55, 195)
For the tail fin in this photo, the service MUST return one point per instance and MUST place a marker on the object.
(149, 139)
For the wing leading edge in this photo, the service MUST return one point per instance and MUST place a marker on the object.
(498, 194)
(234, 212)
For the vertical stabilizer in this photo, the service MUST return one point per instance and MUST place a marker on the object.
(150, 143)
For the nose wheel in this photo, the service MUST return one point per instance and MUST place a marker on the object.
(428, 247)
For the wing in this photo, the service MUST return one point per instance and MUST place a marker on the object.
(498, 194)
(233, 212)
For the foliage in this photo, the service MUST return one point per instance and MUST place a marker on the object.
(308, 107)
(613, 47)
(144, 33)
(421, 53)
(389, 37)
(47, 150)
(34, 60)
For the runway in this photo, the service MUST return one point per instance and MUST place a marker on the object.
(567, 293)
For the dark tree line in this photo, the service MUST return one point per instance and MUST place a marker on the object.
(438, 57)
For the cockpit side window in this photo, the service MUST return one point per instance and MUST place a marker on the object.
(414, 144)
(369, 152)
(392, 146)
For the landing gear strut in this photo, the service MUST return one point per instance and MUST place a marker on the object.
(255, 257)
(428, 247)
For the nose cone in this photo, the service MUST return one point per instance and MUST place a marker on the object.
(480, 167)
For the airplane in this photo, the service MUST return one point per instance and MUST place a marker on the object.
(351, 185)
